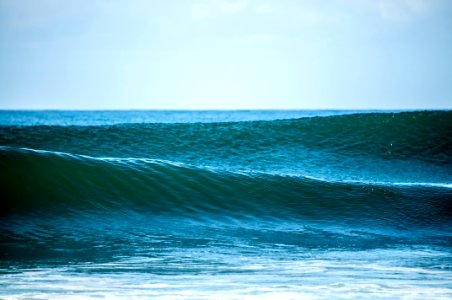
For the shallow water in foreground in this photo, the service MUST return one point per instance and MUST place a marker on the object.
(270, 204)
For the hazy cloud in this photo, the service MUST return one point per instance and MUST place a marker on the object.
(225, 53)
(396, 10)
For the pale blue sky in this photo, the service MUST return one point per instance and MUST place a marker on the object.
(225, 54)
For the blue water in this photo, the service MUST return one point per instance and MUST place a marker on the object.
(226, 204)
(110, 117)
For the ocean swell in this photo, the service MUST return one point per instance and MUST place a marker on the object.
(53, 183)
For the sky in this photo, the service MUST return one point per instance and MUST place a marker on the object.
(225, 54)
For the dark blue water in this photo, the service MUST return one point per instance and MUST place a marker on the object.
(226, 204)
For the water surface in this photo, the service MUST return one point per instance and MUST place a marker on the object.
(219, 204)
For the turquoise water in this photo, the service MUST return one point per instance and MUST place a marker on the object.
(218, 204)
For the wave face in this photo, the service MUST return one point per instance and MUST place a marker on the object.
(58, 183)
(149, 196)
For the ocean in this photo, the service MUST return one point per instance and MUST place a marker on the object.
(226, 204)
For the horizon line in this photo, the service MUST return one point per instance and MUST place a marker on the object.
(225, 109)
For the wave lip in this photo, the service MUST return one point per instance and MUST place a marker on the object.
(141, 160)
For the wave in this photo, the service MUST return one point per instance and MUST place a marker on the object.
(53, 183)
(424, 134)
(376, 147)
